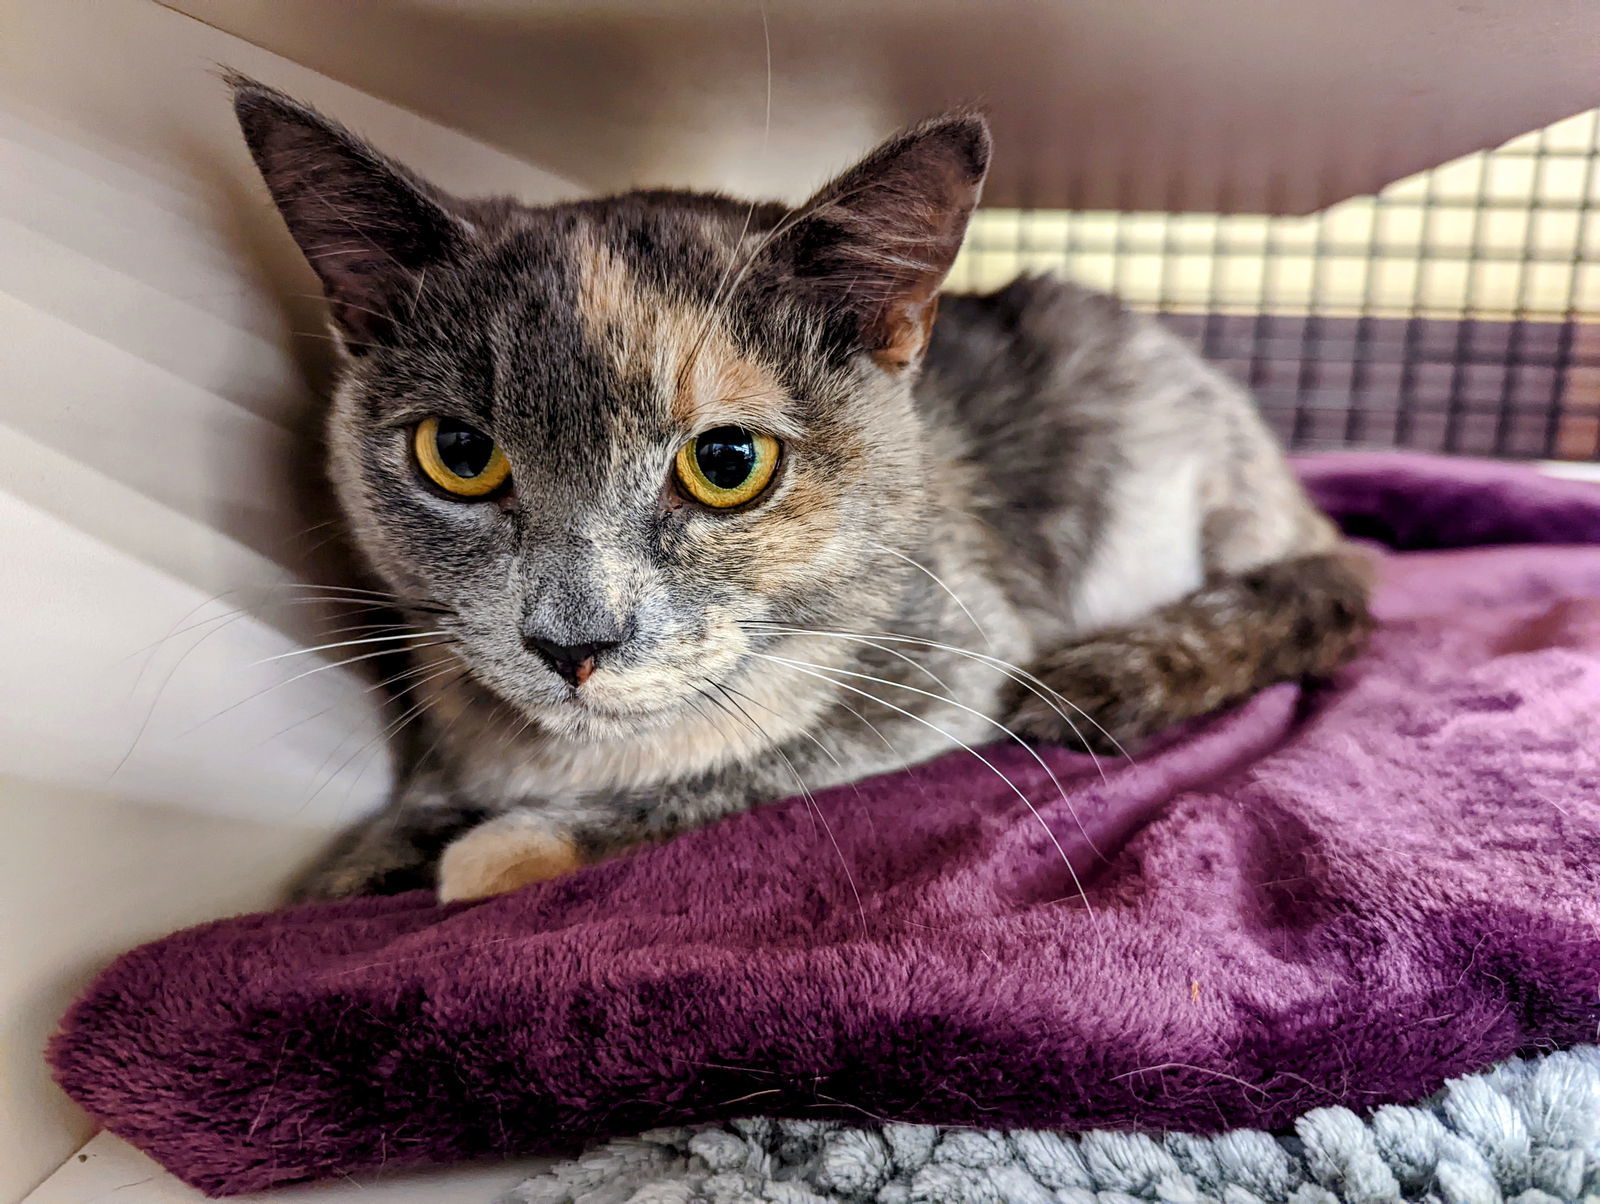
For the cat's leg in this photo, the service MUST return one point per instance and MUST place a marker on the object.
(1296, 618)
(394, 851)
(553, 838)
(510, 851)
(464, 852)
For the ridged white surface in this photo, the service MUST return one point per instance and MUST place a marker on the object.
(156, 410)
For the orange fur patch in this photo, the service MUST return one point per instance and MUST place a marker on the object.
(679, 345)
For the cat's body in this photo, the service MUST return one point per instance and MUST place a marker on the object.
(1050, 485)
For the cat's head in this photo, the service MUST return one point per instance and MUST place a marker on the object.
(610, 438)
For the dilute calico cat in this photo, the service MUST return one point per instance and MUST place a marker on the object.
(693, 505)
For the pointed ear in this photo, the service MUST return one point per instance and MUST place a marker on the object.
(367, 226)
(874, 246)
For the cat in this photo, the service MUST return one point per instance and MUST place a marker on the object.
(692, 505)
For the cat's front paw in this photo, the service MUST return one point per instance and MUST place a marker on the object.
(390, 853)
(505, 854)
(359, 872)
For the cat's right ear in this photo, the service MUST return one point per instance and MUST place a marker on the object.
(367, 226)
(873, 247)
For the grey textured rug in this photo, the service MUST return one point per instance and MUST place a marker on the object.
(1526, 1132)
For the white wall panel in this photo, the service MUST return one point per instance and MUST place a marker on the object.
(160, 367)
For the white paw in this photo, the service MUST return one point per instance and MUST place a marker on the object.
(505, 854)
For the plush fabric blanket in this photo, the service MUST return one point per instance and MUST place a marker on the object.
(1332, 897)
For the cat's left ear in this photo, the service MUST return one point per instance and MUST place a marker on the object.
(874, 246)
(368, 227)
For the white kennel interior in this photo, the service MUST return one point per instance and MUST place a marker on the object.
(158, 335)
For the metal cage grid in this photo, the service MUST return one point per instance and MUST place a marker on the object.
(1451, 312)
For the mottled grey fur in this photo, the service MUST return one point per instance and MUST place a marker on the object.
(1050, 481)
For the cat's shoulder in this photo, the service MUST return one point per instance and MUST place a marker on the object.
(1039, 305)
(1029, 327)
(1048, 340)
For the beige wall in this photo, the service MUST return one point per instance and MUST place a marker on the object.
(1250, 105)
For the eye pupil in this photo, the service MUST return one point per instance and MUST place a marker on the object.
(460, 459)
(726, 466)
(462, 449)
(727, 455)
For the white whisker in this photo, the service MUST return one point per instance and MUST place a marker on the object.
(872, 727)
(377, 639)
(394, 679)
(915, 664)
(367, 625)
(231, 616)
(995, 723)
(730, 693)
(816, 808)
(217, 623)
(342, 589)
(350, 660)
(1039, 688)
(811, 671)
(934, 577)
(329, 594)
(388, 731)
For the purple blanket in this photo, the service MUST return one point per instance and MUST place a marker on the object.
(1332, 897)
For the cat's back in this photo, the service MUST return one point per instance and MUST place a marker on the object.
(1017, 332)
(1103, 444)
(1048, 354)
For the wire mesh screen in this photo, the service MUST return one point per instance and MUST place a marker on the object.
(1458, 310)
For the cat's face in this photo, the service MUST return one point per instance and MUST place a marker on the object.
(605, 443)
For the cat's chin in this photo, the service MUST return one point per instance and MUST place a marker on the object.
(587, 716)
(586, 721)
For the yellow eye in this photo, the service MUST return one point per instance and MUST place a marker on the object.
(460, 459)
(726, 466)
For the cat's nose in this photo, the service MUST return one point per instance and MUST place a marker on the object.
(571, 662)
